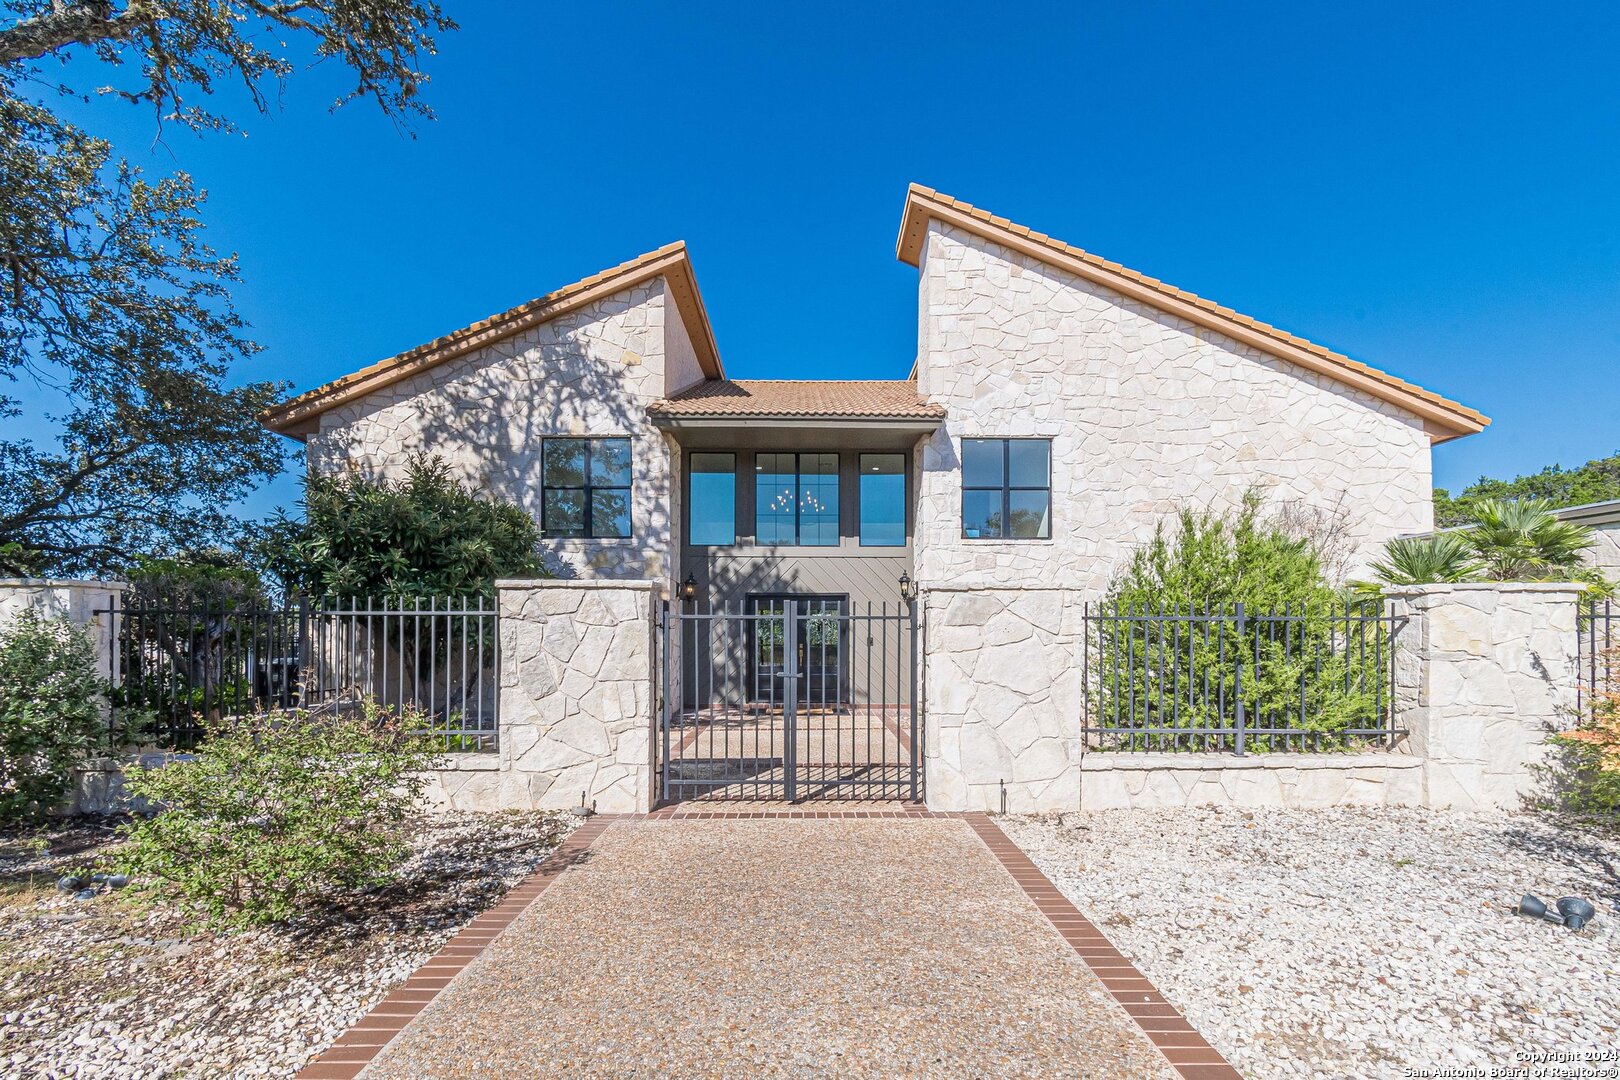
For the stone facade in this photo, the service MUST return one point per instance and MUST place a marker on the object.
(576, 702)
(81, 602)
(1486, 672)
(1001, 681)
(1140, 781)
(588, 372)
(1145, 413)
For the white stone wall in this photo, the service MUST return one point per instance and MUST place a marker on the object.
(80, 602)
(1110, 781)
(576, 702)
(1605, 550)
(591, 372)
(1484, 673)
(1001, 681)
(1145, 413)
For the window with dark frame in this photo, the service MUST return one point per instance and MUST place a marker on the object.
(1007, 489)
(796, 499)
(585, 488)
(883, 500)
(711, 499)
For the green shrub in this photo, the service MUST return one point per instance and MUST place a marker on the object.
(1322, 669)
(52, 712)
(276, 814)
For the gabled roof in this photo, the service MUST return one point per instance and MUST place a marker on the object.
(1444, 418)
(300, 415)
(826, 399)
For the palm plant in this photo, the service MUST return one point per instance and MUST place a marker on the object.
(1521, 540)
(1444, 558)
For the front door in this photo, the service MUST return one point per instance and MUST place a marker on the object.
(818, 644)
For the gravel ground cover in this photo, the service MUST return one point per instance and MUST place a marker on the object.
(1352, 942)
(132, 985)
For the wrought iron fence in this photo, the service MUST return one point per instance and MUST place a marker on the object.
(1239, 681)
(182, 667)
(1597, 669)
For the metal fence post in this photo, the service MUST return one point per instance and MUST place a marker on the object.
(1237, 681)
(663, 760)
(790, 699)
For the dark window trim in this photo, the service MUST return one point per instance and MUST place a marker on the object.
(798, 513)
(905, 496)
(1007, 487)
(588, 488)
(691, 472)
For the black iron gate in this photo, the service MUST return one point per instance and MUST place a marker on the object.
(796, 698)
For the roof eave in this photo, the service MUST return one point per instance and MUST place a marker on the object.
(301, 415)
(1442, 418)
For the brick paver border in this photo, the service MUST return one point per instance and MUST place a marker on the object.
(1160, 1021)
(354, 1049)
(1185, 1049)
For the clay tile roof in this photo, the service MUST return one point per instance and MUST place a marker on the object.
(867, 399)
(1450, 419)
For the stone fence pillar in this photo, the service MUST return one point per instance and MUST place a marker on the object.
(1001, 693)
(1484, 673)
(83, 603)
(576, 693)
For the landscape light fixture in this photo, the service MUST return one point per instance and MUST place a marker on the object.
(1572, 911)
(1576, 912)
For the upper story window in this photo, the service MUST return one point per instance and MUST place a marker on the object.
(712, 499)
(585, 488)
(1007, 489)
(796, 499)
(883, 500)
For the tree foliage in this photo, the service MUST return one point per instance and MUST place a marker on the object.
(111, 302)
(424, 534)
(51, 712)
(1596, 481)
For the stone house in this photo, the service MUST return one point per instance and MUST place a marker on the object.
(1058, 407)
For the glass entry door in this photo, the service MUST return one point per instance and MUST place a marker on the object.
(819, 642)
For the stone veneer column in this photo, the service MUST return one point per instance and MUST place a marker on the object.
(1484, 673)
(576, 693)
(1001, 686)
(80, 602)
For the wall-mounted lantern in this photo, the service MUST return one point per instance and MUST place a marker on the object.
(908, 588)
(689, 589)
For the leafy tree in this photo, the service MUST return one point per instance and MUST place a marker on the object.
(110, 300)
(51, 712)
(1596, 481)
(425, 534)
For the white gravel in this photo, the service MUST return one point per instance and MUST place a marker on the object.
(126, 986)
(1353, 942)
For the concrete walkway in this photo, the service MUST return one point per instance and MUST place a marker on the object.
(780, 947)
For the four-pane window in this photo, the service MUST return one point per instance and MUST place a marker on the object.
(796, 499)
(585, 488)
(1007, 489)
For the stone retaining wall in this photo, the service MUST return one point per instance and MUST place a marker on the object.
(1136, 781)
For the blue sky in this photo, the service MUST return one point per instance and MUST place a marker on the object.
(1430, 188)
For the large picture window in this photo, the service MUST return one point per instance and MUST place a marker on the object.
(883, 500)
(796, 499)
(585, 488)
(1007, 489)
(712, 491)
